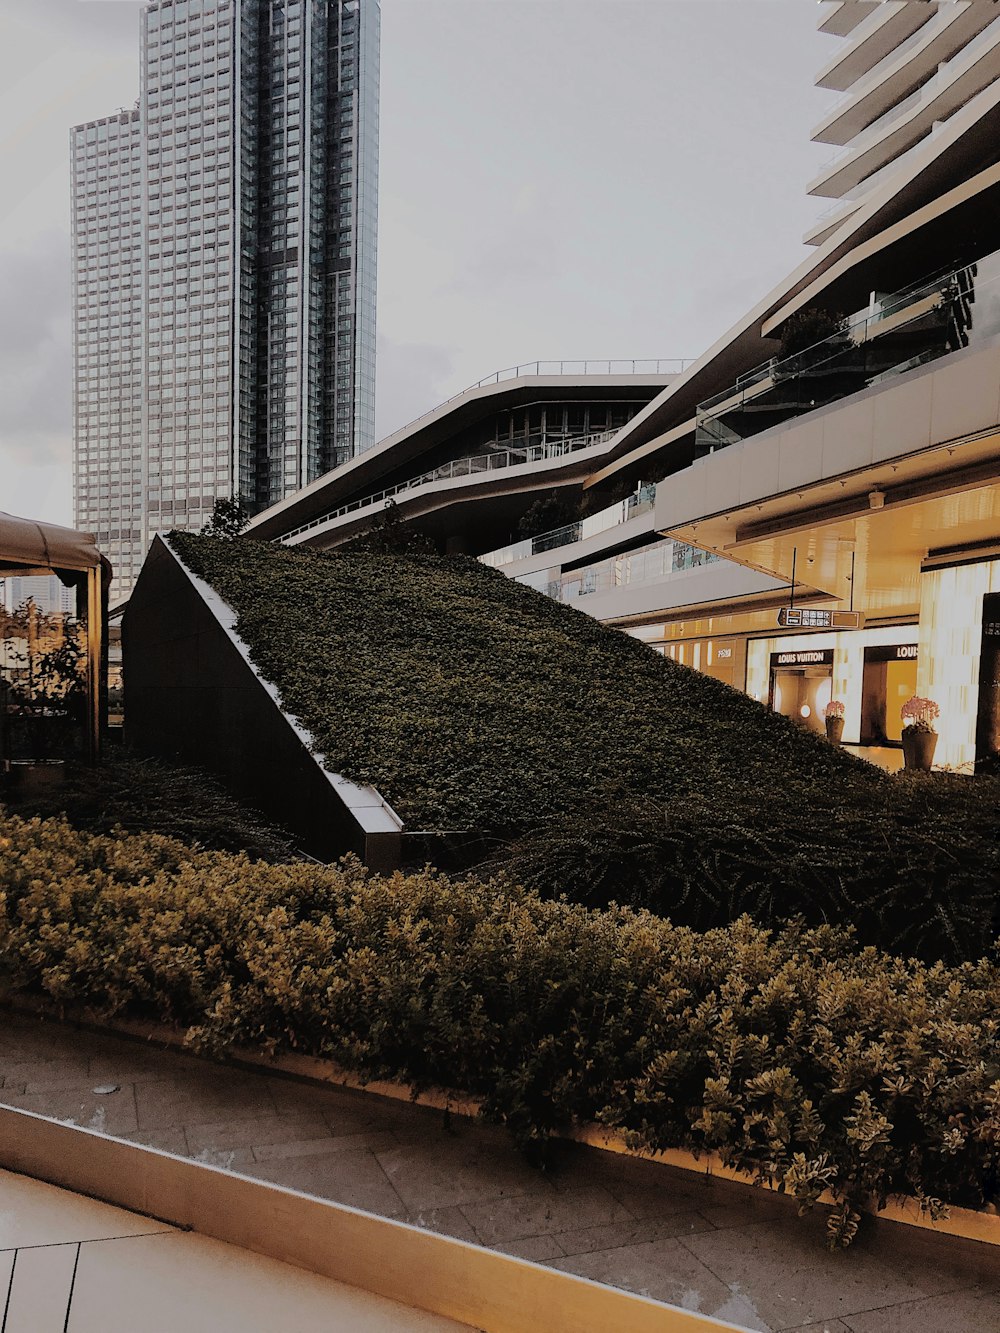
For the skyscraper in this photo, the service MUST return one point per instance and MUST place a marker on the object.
(224, 242)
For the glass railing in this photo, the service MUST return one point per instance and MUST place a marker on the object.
(494, 461)
(603, 521)
(653, 564)
(636, 366)
(956, 309)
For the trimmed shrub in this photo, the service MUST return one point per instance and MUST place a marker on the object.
(795, 1056)
(912, 869)
(474, 703)
(140, 795)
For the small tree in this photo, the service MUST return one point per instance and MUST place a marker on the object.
(390, 535)
(44, 658)
(552, 510)
(806, 328)
(229, 519)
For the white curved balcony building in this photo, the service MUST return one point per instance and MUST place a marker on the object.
(906, 67)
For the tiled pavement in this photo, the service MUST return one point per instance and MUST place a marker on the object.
(67, 1262)
(721, 1249)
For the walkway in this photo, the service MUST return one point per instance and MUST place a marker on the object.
(69, 1263)
(722, 1249)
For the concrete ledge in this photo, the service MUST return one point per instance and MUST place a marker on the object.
(489, 1291)
(962, 1223)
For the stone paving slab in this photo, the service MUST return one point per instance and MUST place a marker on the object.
(718, 1248)
(68, 1262)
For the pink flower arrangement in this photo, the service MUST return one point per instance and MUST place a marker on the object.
(834, 709)
(920, 713)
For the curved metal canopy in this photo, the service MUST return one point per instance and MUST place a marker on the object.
(25, 542)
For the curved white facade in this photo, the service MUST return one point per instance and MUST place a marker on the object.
(905, 68)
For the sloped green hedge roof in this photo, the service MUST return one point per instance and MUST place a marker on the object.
(472, 702)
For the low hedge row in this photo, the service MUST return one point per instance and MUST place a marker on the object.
(913, 870)
(794, 1055)
(142, 795)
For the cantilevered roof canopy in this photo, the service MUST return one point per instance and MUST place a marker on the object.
(26, 543)
(29, 546)
(367, 472)
(950, 183)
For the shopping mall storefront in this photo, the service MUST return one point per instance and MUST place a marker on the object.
(871, 671)
(951, 656)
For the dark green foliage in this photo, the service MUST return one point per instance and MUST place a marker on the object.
(912, 864)
(390, 535)
(806, 328)
(552, 510)
(793, 1055)
(229, 519)
(149, 796)
(472, 702)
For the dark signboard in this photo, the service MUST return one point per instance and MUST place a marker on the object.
(988, 718)
(806, 617)
(895, 652)
(806, 657)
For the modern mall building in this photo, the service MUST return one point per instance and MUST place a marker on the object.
(466, 473)
(224, 245)
(811, 510)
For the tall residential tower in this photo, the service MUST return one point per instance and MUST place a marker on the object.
(224, 244)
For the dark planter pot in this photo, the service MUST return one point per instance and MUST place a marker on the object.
(834, 729)
(918, 749)
(34, 777)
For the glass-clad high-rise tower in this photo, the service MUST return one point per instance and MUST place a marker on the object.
(224, 242)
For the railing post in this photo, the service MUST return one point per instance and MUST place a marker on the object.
(95, 657)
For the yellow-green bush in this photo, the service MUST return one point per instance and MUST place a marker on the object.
(794, 1054)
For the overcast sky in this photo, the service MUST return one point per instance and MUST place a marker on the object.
(559, 179)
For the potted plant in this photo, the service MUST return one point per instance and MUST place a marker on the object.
(810, 338)
(919, 734)
(834, 715)
(45, 699)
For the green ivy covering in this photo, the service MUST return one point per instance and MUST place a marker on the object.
(472, 702)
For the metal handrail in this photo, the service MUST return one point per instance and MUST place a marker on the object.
(679, 364)
(462, 467)
(635, 366)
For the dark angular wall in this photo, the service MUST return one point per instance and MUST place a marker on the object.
(190, 696)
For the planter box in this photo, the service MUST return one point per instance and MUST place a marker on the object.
(918, 749)
(962, 1223)
(34, 777)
